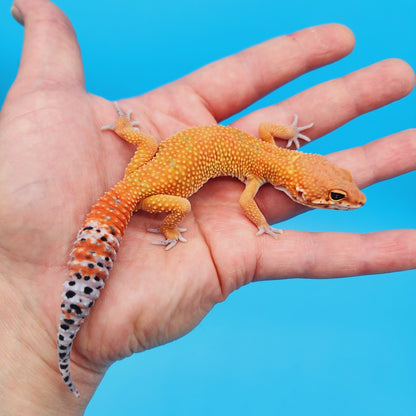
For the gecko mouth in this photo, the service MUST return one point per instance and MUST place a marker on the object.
(344, 206)
(326, 205)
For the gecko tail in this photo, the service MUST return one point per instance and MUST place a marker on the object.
(91, 260)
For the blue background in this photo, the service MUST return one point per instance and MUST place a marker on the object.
(295, 347)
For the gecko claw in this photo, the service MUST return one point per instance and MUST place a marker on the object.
(120, 111)
(108, 127)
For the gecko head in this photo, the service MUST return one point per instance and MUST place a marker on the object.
(317, 183)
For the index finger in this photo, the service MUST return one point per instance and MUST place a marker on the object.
(231, 84)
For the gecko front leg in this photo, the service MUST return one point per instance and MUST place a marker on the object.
(269, 131)
(251, 208)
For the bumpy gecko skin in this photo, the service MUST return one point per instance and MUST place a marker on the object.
(160, 179)
(91, 259)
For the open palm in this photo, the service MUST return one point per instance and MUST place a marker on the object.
(55, 163)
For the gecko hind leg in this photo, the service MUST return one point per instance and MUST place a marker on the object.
(120, 113)
(176, 208)
(146, 145)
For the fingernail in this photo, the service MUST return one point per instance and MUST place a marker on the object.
(17, 14)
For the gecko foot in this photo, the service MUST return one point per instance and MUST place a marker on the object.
(169, 242)
(270, 231)
(298, 135)
(121, 114)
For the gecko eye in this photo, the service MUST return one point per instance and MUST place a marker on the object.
(337, 195)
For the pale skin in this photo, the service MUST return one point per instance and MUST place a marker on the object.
(56, 162)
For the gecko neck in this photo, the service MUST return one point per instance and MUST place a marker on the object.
(279, 169)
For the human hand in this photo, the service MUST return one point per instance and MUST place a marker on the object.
(56, 163)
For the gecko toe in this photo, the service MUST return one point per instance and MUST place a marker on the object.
(270, 231)
(298, 135)
(168, 243)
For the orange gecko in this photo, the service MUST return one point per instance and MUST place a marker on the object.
(159, 179)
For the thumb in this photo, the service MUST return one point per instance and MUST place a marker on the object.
(50, 53)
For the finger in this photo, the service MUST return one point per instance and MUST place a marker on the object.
(231, 84)
(334, 103)
(50, 53)
(381, 159)
(325, 255)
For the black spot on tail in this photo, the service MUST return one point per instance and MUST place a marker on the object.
(88, 290)
(70, 294)
(76, 308)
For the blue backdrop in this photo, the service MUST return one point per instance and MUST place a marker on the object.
(333, 347)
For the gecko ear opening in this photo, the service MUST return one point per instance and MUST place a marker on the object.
(348, 174)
